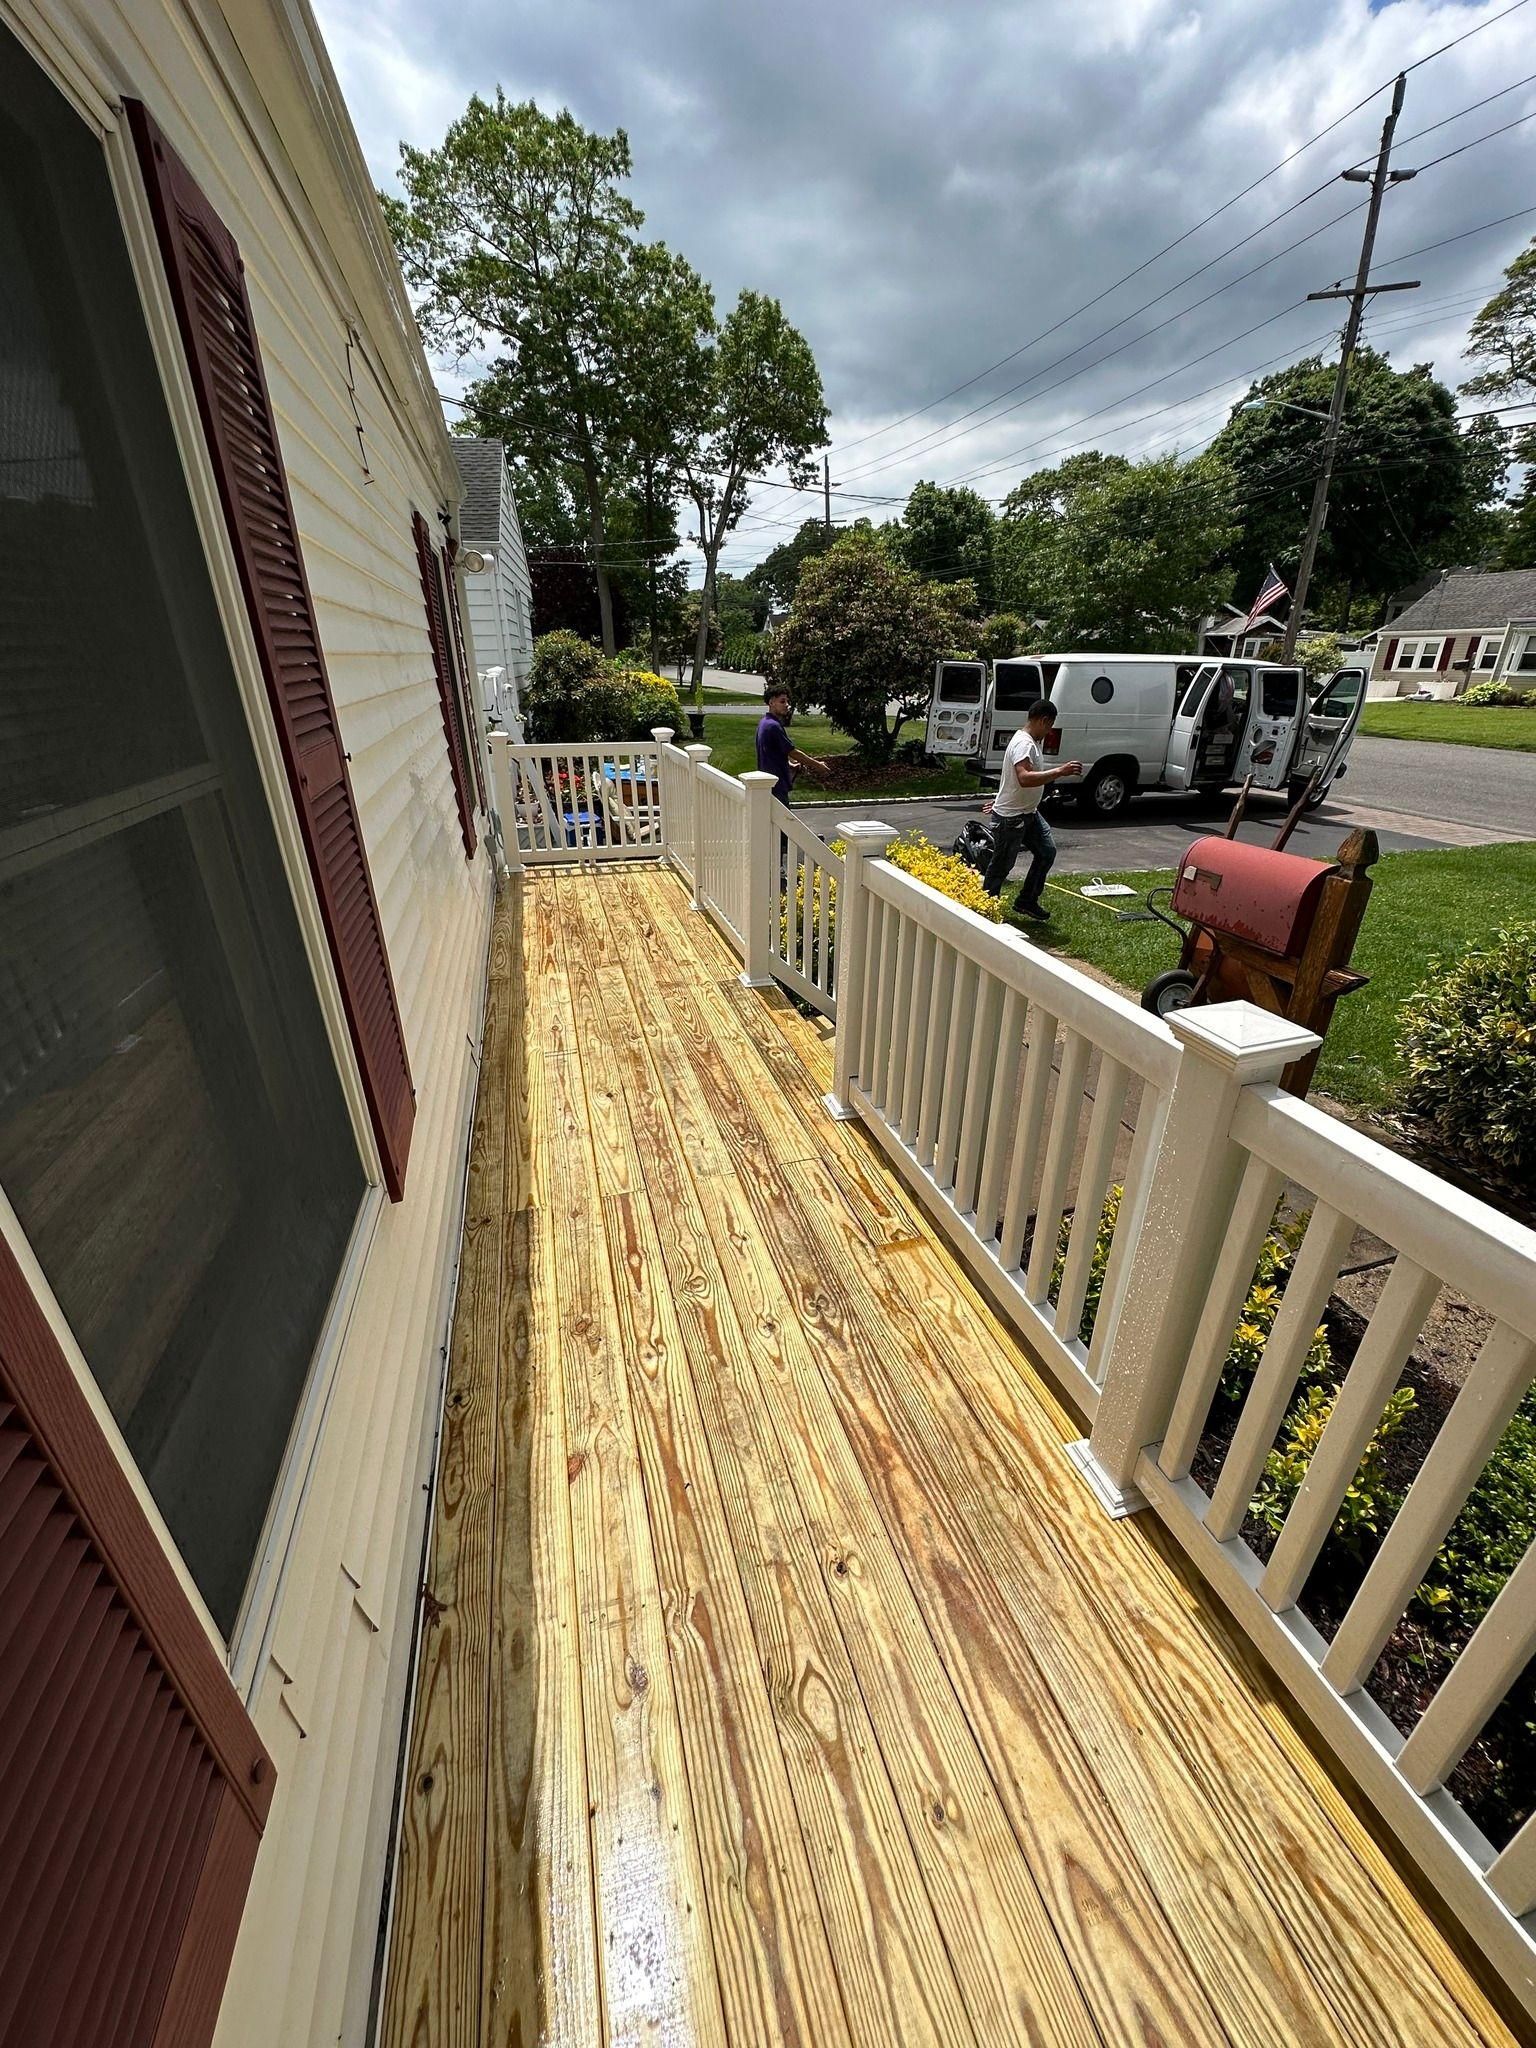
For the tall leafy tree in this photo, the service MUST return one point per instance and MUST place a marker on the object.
(1115, 554)
(764, 409)
(864, 631)
(515, 234)
(1503, 339)
(779, 571)
(946, 534)
(1401, 483)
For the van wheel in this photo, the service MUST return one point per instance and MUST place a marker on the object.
(1107, 791)
(1165, 993)
(1293, 792)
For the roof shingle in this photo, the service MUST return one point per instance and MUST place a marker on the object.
(480, 466)
(1468, 598)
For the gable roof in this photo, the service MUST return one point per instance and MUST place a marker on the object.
(480, 466)
(1467, 598)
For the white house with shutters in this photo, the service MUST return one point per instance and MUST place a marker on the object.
(245, 890)
(1473, 626)
(499, 595)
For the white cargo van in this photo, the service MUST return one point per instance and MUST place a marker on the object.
(1154, 721)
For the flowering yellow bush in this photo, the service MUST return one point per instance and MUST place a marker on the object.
(916, 855)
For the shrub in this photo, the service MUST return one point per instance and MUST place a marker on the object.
(1468, 1046)
(1481, 695)
(917, 856)
(1368, 1504)
(1493, 1531)
(574, 696)
(999, 637)
(743, 651)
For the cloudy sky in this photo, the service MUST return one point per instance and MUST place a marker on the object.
(930, 189)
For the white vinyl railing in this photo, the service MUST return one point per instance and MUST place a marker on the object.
(1014, 1093)
(803, 922)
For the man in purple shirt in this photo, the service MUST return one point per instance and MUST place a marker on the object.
(775, 755)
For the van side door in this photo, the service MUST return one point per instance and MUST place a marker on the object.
(1184, 737)
(1329, 726)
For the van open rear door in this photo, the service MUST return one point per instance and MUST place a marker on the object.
(955, 711)
(1329, 728)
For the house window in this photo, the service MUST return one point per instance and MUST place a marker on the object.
(173, 1134)
(1418, 654)
(1524, 661)
(1488, 652)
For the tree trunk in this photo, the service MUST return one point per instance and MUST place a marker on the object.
(597, 532)
(650, 561)
(706, 613)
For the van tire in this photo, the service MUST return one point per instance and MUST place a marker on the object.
(1108, 791)
(1294, 789)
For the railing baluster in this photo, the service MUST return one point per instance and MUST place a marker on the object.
(1134, 1195)
(1026, 1135)
(1088, 1207)
(1513, 1874)
(940, 996)
(823, 975)
(1306, 1295)
(1405, 1301)
(1066, 1115)
(1252, 1214)
(885, 979)
(1502, 1645)
(874, 945)
(1005, 1085)
(979, 1082)
(1452, 1466)
(921, 1022)
(901, 1012)
(957, 1066)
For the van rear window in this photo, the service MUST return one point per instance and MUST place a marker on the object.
(960, 683)
(1018, 685)
(1281, 693)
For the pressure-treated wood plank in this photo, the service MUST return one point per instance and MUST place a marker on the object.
(433, 1989)
(777, 1981)
(658, 1969)
(896, 1978)
(539, 1973)
(1286, 1917)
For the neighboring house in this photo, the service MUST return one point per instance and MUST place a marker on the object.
(500, 596)
(1472, 625)
(1222, 633)
(244, 906)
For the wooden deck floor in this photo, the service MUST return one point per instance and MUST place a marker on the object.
(780, 1682)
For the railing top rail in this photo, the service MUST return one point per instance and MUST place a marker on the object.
(1463, 1241)
(798, 833)
(548, 750)
(716, 778)
(1112, 1022)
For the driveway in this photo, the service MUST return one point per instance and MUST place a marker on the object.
(1415, 795)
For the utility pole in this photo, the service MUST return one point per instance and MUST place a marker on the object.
(1378, 180)
(826, 497)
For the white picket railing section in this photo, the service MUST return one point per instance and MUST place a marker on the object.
(1013, 1092)
(801, 936)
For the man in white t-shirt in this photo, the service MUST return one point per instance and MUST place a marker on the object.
(1015, 811)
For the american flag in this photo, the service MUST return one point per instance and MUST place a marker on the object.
(1274, 589)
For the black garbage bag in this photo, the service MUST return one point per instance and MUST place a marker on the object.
(975, 844)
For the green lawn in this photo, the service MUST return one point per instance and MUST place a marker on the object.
(1425, 907)
(734, 744)
(1456, 724)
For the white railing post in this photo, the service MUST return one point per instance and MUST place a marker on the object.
(662, 735)
(698, 754)
(762, 892)
(862, 842)
(1190, 1191)
(510, 857)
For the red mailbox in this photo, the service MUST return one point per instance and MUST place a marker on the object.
(1252, 893)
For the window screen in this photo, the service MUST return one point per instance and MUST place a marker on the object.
(173, 1135)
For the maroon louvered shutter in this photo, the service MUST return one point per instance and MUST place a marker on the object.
(1446, 646)
(442, 665)
(467, 689)
(1391, 654)
(1473, 645)
(208, 286)
(133, 1786)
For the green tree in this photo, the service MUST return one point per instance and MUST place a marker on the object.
(866, 630)
(740, 606)
(763, 409)
(1503, 338)
(1000, 636)
(1117, 554)
(779, 571)
(514, 232)
(946, 534)
(1400, 486)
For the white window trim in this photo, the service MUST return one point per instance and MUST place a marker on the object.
(1487, 656)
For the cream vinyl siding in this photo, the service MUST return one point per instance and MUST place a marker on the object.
(323, 1656)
